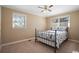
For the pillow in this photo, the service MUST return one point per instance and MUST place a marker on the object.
(54, 28)
(62, 28)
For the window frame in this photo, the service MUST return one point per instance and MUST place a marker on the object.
(25, 20)
(59, 17)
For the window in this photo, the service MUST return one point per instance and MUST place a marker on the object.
(63, 21)
(18, 20)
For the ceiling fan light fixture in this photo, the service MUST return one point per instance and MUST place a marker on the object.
(46, 8)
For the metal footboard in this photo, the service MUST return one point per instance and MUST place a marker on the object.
(45, 39)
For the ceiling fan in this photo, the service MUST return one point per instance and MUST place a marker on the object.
(46, 8)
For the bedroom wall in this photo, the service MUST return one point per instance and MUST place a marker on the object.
(74, 24)
(0, 28)
(9, 34)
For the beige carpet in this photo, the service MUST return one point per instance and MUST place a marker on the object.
(32, 47)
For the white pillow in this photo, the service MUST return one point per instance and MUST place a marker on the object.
(54, 28)
(62, 28)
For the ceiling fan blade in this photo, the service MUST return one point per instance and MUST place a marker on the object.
(41, 7)
(50, 6)
(42, 11)
(49, 10)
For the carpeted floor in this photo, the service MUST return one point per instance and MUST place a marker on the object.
(38, 47)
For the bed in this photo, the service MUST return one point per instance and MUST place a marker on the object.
(52, 37)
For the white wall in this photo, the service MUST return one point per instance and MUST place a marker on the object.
(0, 28)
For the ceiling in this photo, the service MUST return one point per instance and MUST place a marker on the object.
(33, 9)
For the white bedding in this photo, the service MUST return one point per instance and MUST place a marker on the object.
(60, 37)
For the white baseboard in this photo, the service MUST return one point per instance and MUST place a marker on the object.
(10, 43)
(74, 40)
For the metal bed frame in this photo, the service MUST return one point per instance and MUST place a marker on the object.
(55, 48)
